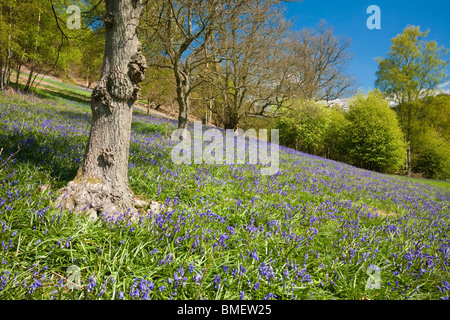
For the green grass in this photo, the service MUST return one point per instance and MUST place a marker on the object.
(436, 183)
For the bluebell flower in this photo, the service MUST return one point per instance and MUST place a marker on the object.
(34, 286)
(216, 281)
(91, 283)
(270, 296)
(197, 278)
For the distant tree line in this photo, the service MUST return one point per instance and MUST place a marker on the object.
(401, 127)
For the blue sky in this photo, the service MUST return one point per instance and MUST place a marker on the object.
(349, 18)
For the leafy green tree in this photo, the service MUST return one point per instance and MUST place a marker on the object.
(412, 69)
(434, 112)
(433, 155)
(373, 138)
(314, 128)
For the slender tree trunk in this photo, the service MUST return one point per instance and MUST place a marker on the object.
(1, 73)
(8, 63)
(2, 65)
(101, 185)
(18, 75)
(408, 158)
(5, 70)
(34, 78)
(408, 140)
(8, 78)
(28, 84)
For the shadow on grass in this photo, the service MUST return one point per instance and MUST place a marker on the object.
(78, 116)
(54, 152)
(48, 94)
(46, 152)
(51, 151)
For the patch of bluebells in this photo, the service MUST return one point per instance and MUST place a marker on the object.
(141, 289)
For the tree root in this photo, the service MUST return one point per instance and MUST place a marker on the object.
(97, 199)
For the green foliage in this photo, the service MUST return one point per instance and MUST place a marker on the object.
(413, 66)
(314, 128)
(434, 112)
(91, 48)
(159, 87)
(303, 126)
(35, 34)
(373, 137)
(334, 133)
(432, 155)
(412, 70)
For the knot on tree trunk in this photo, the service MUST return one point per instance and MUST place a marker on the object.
(107, 156)
(137, 67)
(109, 19)
(119, 86)
(135, 3)
(101, 95)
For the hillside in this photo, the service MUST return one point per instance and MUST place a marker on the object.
(315, 230)
(52, 87)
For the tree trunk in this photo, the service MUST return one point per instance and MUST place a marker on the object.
(101, 185)
(33, 60)
(408, 138)
(184, 101)
(34, 78)
(2, 71)
(231, 118)
(408, 159)
(184, 106)
(28, 84)
(18, 75)
(5, 71)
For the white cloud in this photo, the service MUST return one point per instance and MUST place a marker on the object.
(445, 87)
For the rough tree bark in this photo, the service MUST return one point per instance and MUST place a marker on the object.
(101, 185)
(183, 98)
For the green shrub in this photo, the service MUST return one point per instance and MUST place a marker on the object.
(432, 155)
(373, 138)
(303, 127)
(333, 137)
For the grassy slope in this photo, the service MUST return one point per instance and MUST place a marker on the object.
(310, 231)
